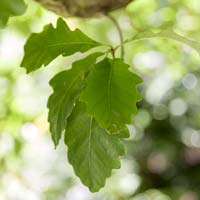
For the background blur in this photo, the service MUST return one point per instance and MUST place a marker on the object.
(163, 161)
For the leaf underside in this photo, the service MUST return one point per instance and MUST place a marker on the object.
(92, 151)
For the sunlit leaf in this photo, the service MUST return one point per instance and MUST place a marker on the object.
(111, 93)
(42, 48)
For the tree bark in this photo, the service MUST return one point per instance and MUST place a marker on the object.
(82, 8)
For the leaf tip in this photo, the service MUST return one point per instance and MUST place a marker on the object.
(94, 190)
(55, 140)
(60, 21)
(55, 144)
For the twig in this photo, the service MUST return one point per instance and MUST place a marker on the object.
(120, 34)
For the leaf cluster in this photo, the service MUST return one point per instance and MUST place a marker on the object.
(10, 9)
(91, 103)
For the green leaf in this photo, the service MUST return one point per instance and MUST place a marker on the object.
(92, 151)
(166, 33)
(111, 93)
(42, 48)
(121, 133)
(67, 86)
(9, 8)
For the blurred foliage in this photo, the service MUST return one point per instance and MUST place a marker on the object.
(163, 161)
(10, 9)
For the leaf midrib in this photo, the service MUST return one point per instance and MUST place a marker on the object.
(69, 43)
(108, 90)
(89, 148)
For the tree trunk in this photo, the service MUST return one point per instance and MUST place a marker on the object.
(82, 8)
